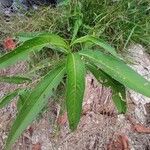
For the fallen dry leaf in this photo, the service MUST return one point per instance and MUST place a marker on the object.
(36, 146)
(138, 127)
(125, 142)
(62, 119)
(9, 44)
(141, 128)
(121, 143)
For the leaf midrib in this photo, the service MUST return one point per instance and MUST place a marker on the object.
(36, 103)
(103, 64)
(48, 85)
(75, 80)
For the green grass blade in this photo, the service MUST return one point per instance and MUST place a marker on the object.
(98, 42)
(6, 99)
(75, 88)
(129, 37)
(118, 90)
(118, 70)
(14, 79)
(21, 52)
(35, 103)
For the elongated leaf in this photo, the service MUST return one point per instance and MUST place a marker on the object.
(96, 41)
(118, 70)
(6, 99)
(40, 41)
(119, 98)
(78, 20)
(75, 89)
(23, 96)
(118, 90)
(35, 103)
(77, 25)
(27, 36)
(14, 79)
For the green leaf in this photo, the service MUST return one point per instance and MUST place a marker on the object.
(78, 20)
(75, 88)
(25, 36)
(119, 97)
(118, 70)
(21, 53)
(118, 90)
(14, 79)
(22, 98)
(98, 42)
(6, 99)
(77, 25)
(35, 103)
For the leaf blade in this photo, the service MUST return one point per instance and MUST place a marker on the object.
(98, 42)
(118, 90)
(119, 98)
(75, 89)
(22, 98)
(35, 102)
(6, 99)
(21, 52)
(25, 36)
(118, 70)
(78, 20)
(14, 79)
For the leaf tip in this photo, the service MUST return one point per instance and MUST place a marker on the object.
(73, 127)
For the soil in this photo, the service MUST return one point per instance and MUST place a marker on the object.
(100, 128)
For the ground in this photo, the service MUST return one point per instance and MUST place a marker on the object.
(100, 128)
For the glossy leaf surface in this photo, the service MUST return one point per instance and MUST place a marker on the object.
(35, 103)
(118, 90)
(98, 42)
(21, 52)
(75, 88)
(119, 71)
